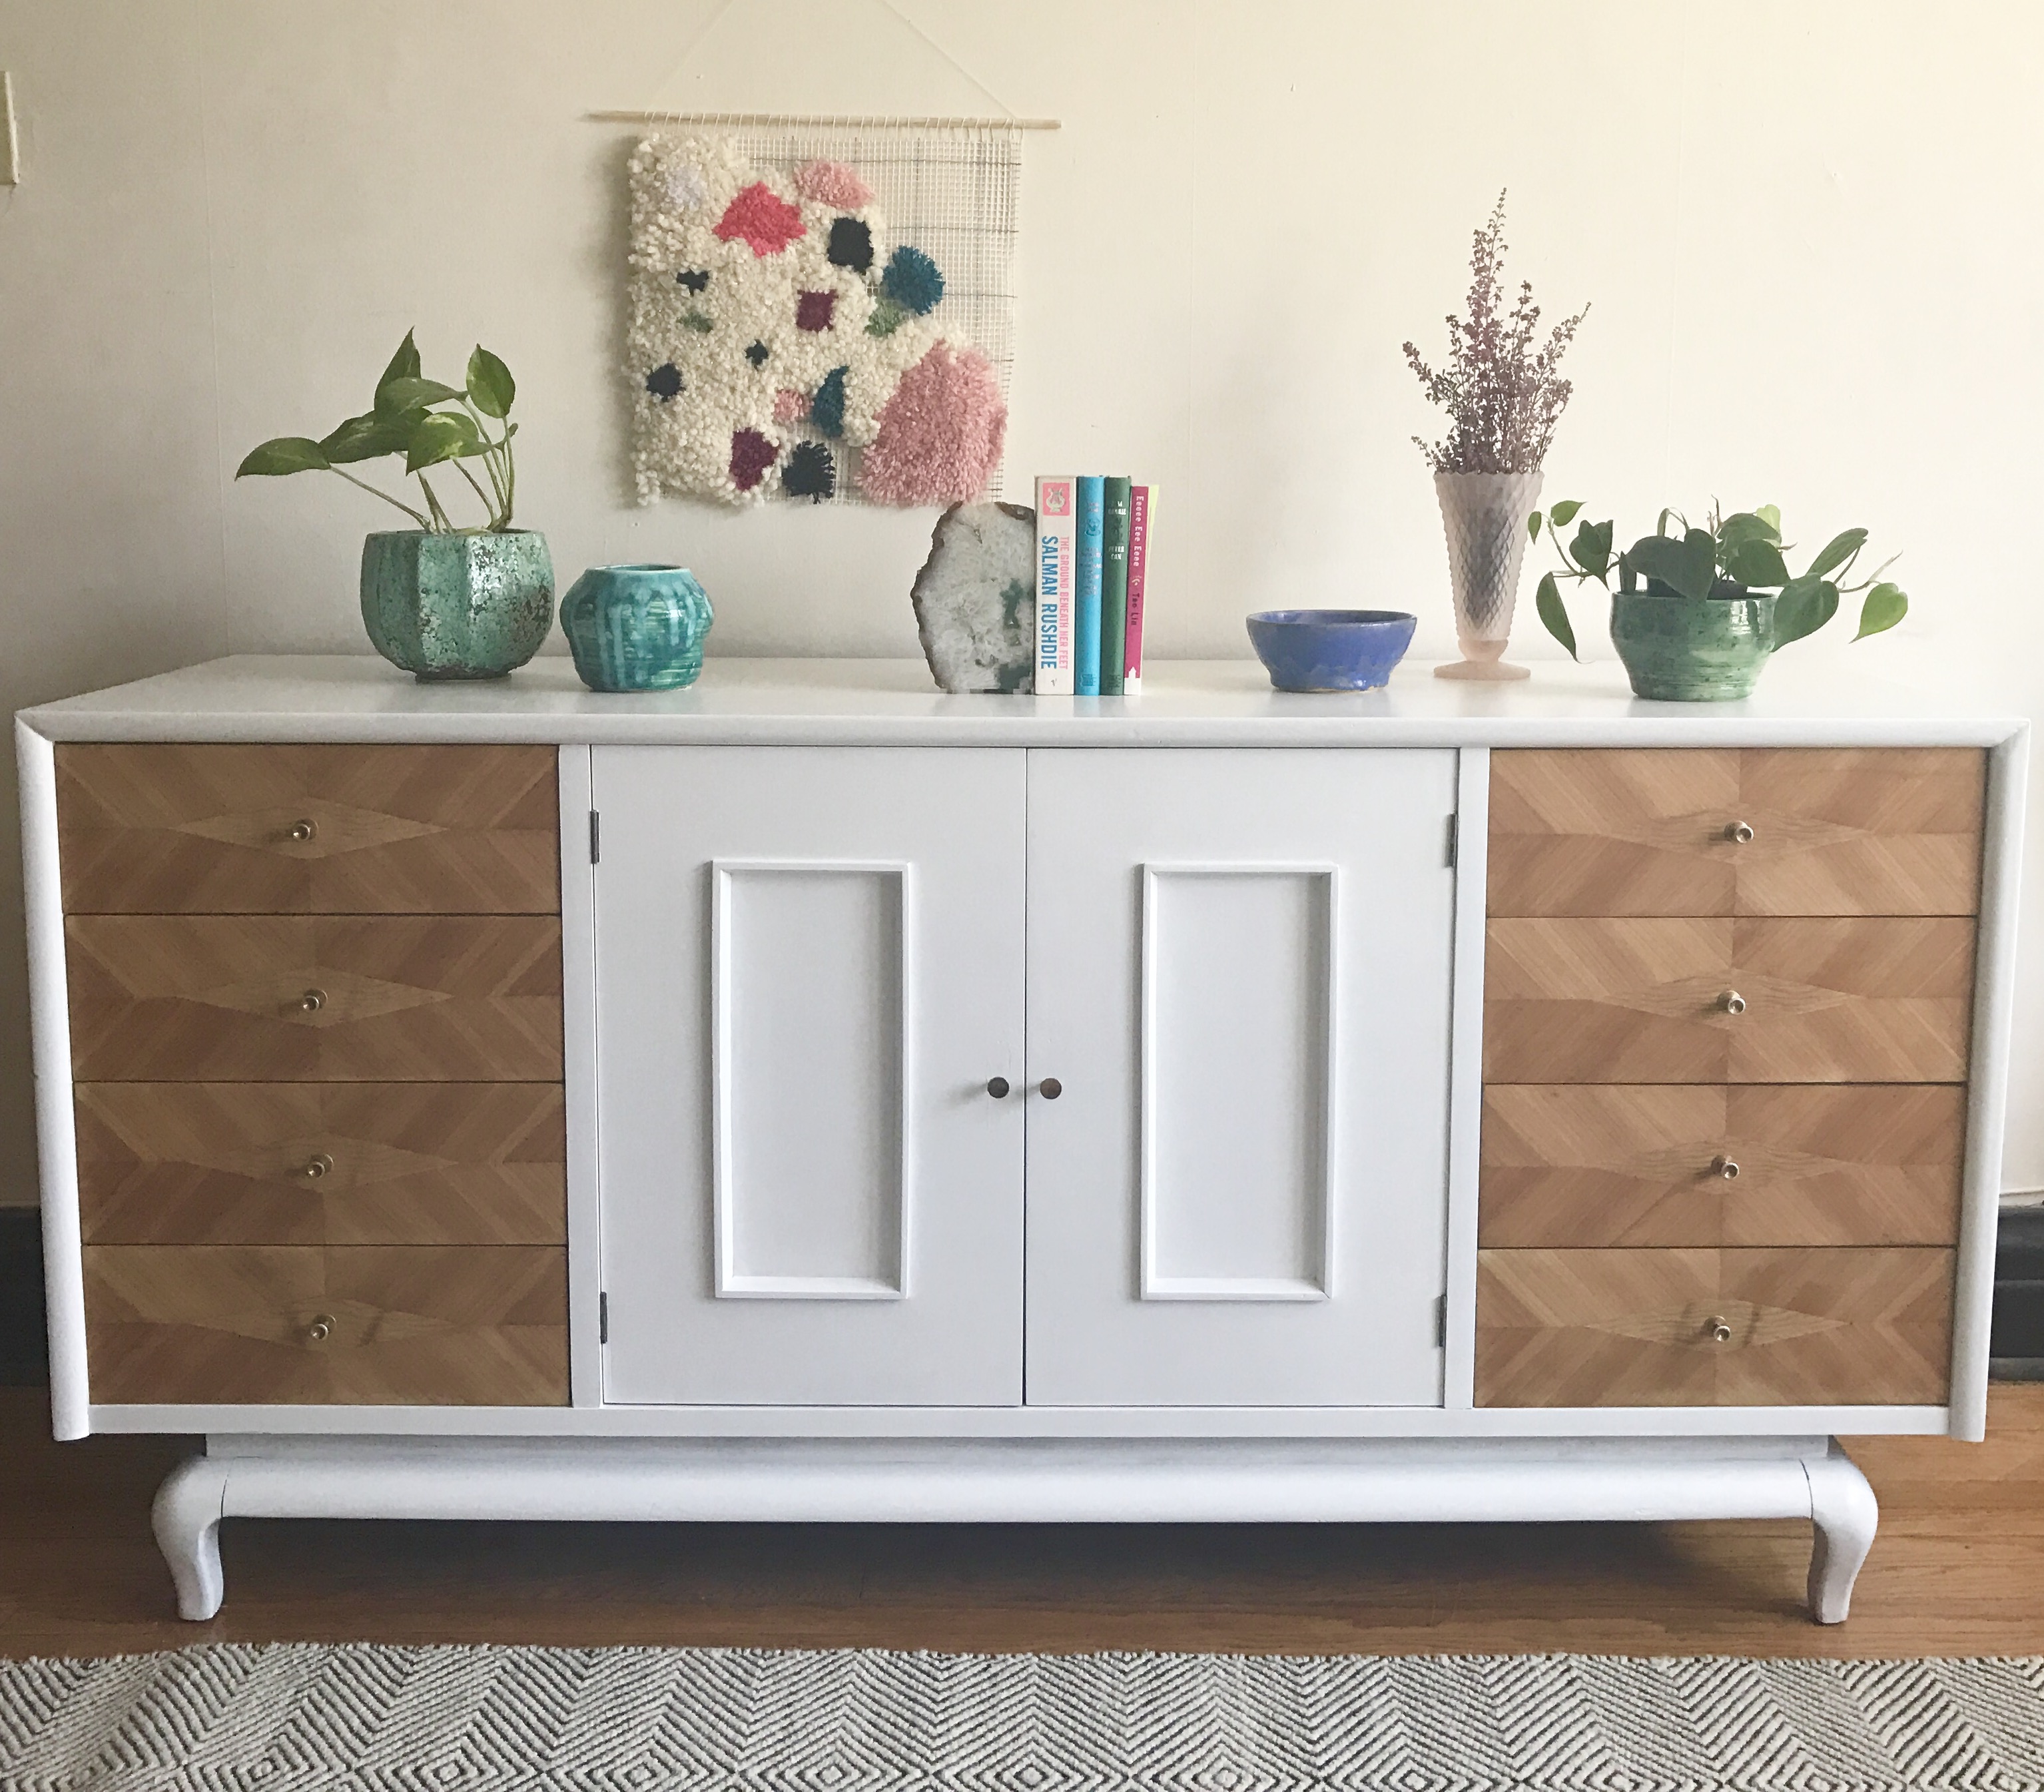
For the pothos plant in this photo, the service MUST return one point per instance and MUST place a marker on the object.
(408, 418)
(1737, 556)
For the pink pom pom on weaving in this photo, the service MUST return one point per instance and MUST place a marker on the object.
(832, 183)
(789, 407)
(940, 434)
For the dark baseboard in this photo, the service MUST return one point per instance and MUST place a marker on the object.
(23, 1346)
(2016, 1352)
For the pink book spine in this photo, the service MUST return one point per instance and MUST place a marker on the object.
(1141, 522)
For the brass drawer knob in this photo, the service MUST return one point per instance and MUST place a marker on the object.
(306, 830)
(997, 1088)
(1732, 1002)
(316, 1166)
(321, 1328)
(1739, 832)
(1719, 1330)
(313, 1001)
(1726, 1167)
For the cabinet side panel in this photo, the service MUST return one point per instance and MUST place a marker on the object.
(64, 1269)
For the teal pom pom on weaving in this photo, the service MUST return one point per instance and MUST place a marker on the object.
(912, 281)
(827, 408)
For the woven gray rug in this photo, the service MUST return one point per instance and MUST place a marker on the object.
(428, 1720)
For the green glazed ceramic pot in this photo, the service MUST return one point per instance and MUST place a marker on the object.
(637, 628)
(457, 606)
(1679, 651)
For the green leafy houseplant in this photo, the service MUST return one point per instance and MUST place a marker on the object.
(1722, 595)
(407, 419)
(440, 600)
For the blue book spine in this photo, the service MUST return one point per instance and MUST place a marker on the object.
(1085, 632)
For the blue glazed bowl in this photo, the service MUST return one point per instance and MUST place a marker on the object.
(1331, 649)
(637, 628)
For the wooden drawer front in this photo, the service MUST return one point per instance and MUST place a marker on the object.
(1624, 1328)
(322, 1162)
(173, 829)
(1591, 1165)
(1622, 1000)
(223, 999)
(410, 1325)
(1876, 831)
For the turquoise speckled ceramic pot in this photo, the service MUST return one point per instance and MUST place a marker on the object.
(637, 628)
(1679, 651)
(451, 606)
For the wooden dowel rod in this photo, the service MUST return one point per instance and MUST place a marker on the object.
(819, 120)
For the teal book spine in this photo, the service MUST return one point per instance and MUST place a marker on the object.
(1114, 584)
(1086, 635)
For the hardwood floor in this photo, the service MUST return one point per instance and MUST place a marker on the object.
(1958, 1569)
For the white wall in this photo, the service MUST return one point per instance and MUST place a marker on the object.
(1809, 233)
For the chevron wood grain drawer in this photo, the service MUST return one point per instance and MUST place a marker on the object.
(178, 828)
(1777, 831)
(322, 1162)
(413, 1326)
(1722, 999)
(1728, 1327)
(1591, 1165)
(211, 998)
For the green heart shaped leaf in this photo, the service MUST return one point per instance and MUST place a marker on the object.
(1885, 605)
(1756, 562)
(366, 437)
(442, 436)
(1548, 600)
(408, 392)
(404, 364)
(1770, 514)
(1747, 525)
(282, 455)
(1687, 567)
(1804, 606)
(1837, 550)
(1564, 513)
(1533, 527)
(1591, 550)
(491, 386)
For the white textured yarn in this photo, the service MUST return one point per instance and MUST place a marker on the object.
(952, 190)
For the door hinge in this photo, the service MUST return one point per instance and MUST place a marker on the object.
(1441, 1322)
(603, 1318)
(1454, 838)
(595, 838)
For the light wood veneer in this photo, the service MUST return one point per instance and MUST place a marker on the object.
(208, 998)
(322, 1162)
(1633, 1328)
(1638, 1000)
(1886, 830)
(172, 828)
(1589, 1164)
(414, 1325)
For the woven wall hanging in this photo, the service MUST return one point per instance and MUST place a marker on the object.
(822, 313)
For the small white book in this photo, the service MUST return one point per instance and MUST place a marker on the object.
(1057, 564)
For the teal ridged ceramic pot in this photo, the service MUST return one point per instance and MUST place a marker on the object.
(637, 628)
(457, 606)
(1679, 651)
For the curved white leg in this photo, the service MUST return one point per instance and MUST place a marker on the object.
(1845, 1513)
(185, 1518)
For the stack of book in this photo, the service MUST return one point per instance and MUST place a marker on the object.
(1093, 538)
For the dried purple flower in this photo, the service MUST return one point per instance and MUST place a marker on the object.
(1503, 397)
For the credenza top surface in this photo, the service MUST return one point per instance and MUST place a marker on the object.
(882, 702)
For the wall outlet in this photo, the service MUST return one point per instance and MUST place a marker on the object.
(10, 143)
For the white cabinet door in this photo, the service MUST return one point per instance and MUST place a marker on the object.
(1239, 966)
(809, 964)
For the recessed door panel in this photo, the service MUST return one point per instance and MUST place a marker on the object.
(808, 969)
(1239, 969)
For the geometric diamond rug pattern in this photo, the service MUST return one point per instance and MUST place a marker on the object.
(226, 1716)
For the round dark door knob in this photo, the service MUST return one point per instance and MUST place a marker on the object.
(997, 1088)
(1052, 1088)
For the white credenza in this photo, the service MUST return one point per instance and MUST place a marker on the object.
(810, 1096)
